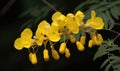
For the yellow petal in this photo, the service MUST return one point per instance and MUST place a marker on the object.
(17, 44)
(79, 16)
(27, 33)
(56, 15)
(53, 34)
(97, 23)
(71, 25)
(59, 19)
(93, 14)
(39, 41)
(44, 26)
(40, 37)
(27, 43)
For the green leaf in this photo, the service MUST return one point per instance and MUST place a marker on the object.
(111, 26)
(107, 19)
(99, 6)
(64, 39)
(24, 13)
(113, 49)
(107, 68)
(101, 9)
(101, 51)
(117, 67)
(82, 5)
(113, 57)
(104, 63)
(118, 8)
(114, 12)
(110, 19)
(115, 60)
(77, 36)
(40, 12)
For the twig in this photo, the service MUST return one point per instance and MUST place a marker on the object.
(47, 3)
(118, 34)
(7, 6)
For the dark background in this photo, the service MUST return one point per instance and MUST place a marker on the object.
(14, 60)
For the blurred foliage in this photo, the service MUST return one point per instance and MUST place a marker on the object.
(109, 10)
(112, 52)
(34, 11)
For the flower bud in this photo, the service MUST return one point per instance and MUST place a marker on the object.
(99, 36)
(55, 54)
(82, 40)
(62, 47)
(90, 43)
(72, 39)
(33, 58)
(67, 53)
(45, 55)
(80, 46)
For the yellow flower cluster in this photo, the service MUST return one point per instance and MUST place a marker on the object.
(62, 27)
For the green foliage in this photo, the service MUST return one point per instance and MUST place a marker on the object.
(33, 12)
(112, 51)
(36, 13)
(109, 10)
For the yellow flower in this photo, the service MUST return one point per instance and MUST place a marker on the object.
(97, 39)
(62, 47)
(67, 53)
(70, 23)
(45, 55)
(58, 19)
(79, 16)
(95, 22)
(33, 58)
(55, 54)
(80, 46)
(41, 31)
(72, 38)
(40, 37)
(94, 38)
(45, 29)
(53, 34)
(44, 26)
(99, 36)
(25, 40)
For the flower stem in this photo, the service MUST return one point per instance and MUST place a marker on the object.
(118, 34)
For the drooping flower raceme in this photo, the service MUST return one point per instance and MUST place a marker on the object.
(62, 28)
